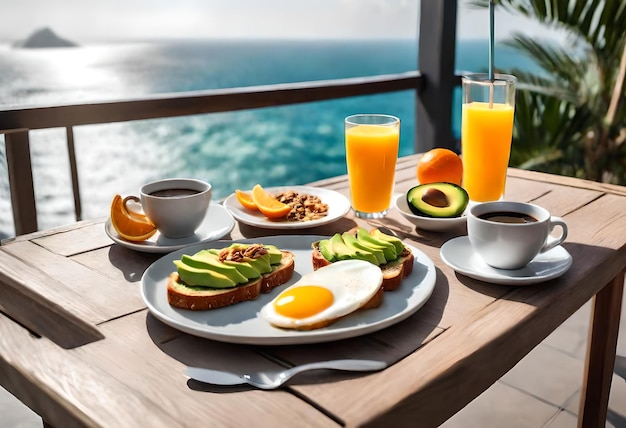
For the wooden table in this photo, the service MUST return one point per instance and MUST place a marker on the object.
(79, 347)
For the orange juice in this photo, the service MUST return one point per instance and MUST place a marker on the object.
(486, 135)
(371, 153)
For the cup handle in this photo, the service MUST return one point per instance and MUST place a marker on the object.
(132, 212)
(551, 241)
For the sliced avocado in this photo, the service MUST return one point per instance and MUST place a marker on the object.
(377, 251)
(361, 251)
(388, 249)
(262, 264)
(211, 262)
(202, 277)
(441, 200)
(244, 267)
(324, 247)
(205, 258)
(396, 242)
(340, 249)
(275, 254)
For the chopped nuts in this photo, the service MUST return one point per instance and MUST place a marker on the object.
(303, 207)
(238, 253)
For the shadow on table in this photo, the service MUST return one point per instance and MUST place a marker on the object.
(131, 263)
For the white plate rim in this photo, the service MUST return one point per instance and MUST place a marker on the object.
(338, 206)
(216, 213)
(498, 276)
(415, 290)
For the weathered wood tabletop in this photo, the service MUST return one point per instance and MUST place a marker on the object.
(78, 345)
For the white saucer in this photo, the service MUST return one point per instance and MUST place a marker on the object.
(217, 223)
(459, 255)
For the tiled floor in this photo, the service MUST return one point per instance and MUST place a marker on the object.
(541, 391)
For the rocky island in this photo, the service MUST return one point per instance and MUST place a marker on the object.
(44, 38)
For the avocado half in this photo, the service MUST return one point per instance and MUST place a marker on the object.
(440, 200)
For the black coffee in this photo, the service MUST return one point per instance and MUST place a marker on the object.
(169, 193)
(508, 217)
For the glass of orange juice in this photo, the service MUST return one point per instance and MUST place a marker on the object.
(486, 134)
(372, 142)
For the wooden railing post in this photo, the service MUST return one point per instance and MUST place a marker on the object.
(21, 181)
(71, 151)
(437, 41)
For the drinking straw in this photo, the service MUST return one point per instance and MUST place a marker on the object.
(491, 49)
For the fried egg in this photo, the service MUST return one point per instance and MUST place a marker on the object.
(322, 296)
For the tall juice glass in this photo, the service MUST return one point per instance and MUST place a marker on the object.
(372, 142)
(486, 134)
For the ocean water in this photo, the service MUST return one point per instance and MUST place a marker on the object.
(273, 146)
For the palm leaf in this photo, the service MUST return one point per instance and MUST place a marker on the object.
(549, 132)
(601, 23)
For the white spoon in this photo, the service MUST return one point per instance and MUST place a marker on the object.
(275, 378)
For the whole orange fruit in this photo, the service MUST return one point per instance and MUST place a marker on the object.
(440, 165)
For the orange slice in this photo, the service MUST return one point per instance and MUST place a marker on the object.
(130, 225)
(245, 199)
(268, 204)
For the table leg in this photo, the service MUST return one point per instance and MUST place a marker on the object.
(601, 346)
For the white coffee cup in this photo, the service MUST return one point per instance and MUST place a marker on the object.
(176, 206)
(511, 240)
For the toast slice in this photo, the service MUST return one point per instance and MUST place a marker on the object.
(182, 296)
(393, 271)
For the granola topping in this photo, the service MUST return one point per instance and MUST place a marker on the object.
(303, 207)
(239, 253)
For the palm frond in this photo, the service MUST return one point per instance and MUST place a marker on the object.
(601, 23)
(548, 132)
(531, 82)
(554, 59)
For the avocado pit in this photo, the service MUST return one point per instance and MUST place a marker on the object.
(436, 198)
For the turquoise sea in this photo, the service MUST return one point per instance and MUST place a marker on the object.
(272, 146)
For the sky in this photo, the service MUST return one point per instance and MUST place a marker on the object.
(85, 21)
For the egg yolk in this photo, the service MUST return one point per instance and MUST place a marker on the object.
(302, 302)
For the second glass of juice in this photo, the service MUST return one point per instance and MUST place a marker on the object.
(486, 134)
(372, 142)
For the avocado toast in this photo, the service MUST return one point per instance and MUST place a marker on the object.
(212, 278)
(386, 251)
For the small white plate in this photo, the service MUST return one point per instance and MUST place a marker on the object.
(217, 223)
(338, 206)
(241, 323)
(428, 223)
(459, 255)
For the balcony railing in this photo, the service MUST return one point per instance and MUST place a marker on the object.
(433, 84)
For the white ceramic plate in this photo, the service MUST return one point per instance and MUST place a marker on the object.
(241, 323)
(217, 223)
(338, 206)
(427, 223)
(459, 255)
